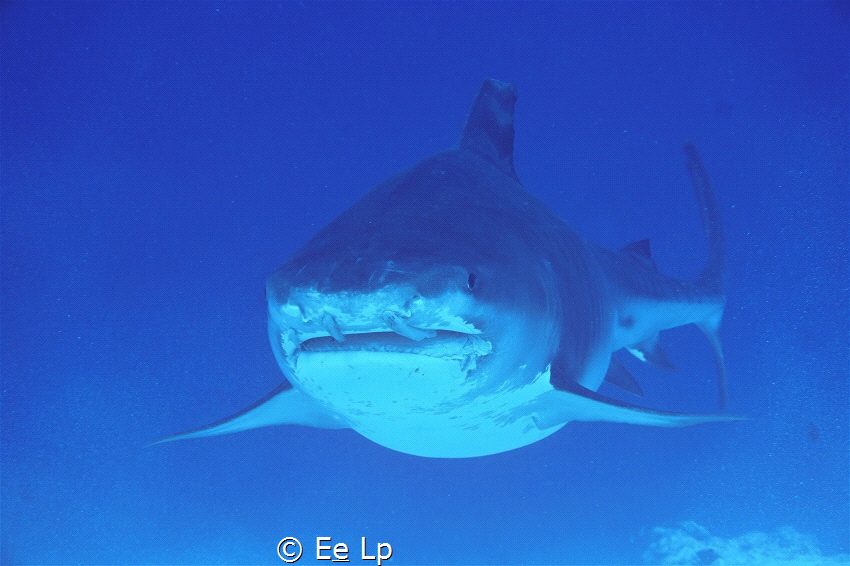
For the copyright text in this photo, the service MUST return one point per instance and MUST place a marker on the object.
(290, 550)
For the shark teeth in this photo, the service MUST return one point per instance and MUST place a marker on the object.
(399, 326)
(343, 331)
(289, 341)
(330, 324)
(445, 344)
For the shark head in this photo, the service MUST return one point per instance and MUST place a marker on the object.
(422, 327)
(449, 313)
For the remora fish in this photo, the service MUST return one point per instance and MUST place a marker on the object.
(449, 313)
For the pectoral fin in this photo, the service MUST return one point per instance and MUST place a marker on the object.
(285, 405)
(559, 407)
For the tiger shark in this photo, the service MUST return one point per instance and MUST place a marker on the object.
(448, 313)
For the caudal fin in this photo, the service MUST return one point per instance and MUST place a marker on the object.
(711, 279)
(712, 275)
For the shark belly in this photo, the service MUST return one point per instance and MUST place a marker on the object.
(422, 405)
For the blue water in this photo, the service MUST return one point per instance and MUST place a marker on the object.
(159, 160)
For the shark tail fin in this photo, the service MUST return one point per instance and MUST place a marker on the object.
(711, 278)
(711, 329)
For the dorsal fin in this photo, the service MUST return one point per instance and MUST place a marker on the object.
(489, 129)
(640, 250)
(640, 247)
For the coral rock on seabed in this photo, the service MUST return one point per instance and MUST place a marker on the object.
(692, 544)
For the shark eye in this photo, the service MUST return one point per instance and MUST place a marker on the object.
(470, 281)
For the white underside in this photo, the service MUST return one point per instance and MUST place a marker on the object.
(422, 405)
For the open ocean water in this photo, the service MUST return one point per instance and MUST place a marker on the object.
(160, 159)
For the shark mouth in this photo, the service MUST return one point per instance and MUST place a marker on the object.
(394, 335)
(443, 344)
